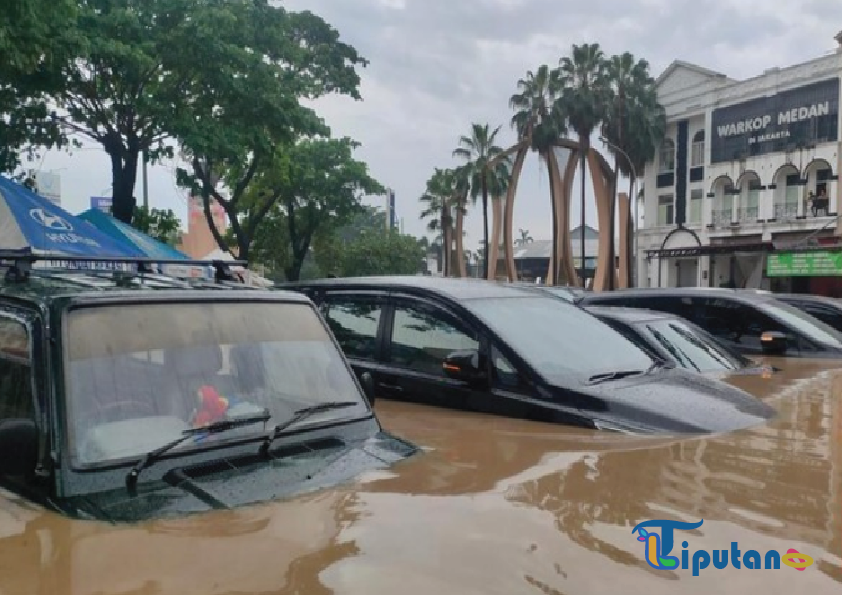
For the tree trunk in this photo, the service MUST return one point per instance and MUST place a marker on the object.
(611, 209)
(123, 178)
(630, 239)
(554, 250)
(583, 147)
(460, 253)
(485, 226)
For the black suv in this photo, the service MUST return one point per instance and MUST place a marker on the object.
(752, 322)
(498, 348)
(126, 396)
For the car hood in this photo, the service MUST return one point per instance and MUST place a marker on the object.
(230, 484)
(676, 400)
(491, 505)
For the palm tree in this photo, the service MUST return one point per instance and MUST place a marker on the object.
(525, 238)
(636, 123)
(585, 94)
(478, 150)
(437, 198)
(539, 125)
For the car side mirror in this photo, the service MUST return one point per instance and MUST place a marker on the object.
(466, 366)
(774, 342)
(367, 381)
(18, 446)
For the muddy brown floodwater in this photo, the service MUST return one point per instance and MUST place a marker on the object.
(494, 505)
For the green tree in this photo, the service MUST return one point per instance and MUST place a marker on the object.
(244, 129)
(37, 38)
(314, 185)
(161, 224)
(122, 90)
(437, 202)
(484, 172)
(636, 122)
(375, 253)
(584, 99)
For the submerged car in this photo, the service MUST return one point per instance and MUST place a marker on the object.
(752, 322)
(487, 347)
(676, 339)
(127, 396)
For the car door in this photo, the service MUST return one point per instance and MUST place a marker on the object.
(421, 335)
(357, 320)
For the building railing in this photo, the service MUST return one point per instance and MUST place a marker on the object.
(721, 217)
(785, 211)
(748, 214)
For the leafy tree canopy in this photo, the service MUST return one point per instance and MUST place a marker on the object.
(314, 185)
(161, 224)
(37, 38)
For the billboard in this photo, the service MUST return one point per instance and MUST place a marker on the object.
(780, 122)
(101, 203)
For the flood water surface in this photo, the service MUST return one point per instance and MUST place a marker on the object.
(495, 505)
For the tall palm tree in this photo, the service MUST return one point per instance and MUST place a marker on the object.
(478, 149)
(539, 124)
(438, 209)
(584, 99)
(635, 125)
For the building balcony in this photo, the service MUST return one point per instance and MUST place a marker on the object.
(721, 217)
(749, 214)
(785, 212)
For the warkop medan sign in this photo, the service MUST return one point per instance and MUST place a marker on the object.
(778, 123)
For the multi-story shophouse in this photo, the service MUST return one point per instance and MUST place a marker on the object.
(744, 190)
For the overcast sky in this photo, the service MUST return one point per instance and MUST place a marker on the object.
(438, 65)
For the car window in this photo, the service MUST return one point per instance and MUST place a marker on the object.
(16, 399)
(827, 315)
(807, 325)
(354, 322)
(736, 322)
(138, 376)
(562, 342)
(422, 339)
(690, 347)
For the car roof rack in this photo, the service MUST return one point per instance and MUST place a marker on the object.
(18, 263)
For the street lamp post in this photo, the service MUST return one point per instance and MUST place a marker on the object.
(633, 274)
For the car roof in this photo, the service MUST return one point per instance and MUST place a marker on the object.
(739, 293)
(457, 288)
(810, 298)
(46, 285)
(629, 315)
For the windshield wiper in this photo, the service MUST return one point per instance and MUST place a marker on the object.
(212, 428)
(614, 375)
(299, 415)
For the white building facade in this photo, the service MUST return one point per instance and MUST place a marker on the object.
(748, 169)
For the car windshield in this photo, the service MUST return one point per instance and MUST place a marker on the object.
(562, 342)
(690, 346)
(138, 376)
(807, 324)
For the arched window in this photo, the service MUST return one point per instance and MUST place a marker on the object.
(667, 157)
(697, 150)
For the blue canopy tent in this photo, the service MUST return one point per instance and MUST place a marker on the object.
(30, 221)
(146, 244)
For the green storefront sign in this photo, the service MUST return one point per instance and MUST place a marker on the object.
(804, 264)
